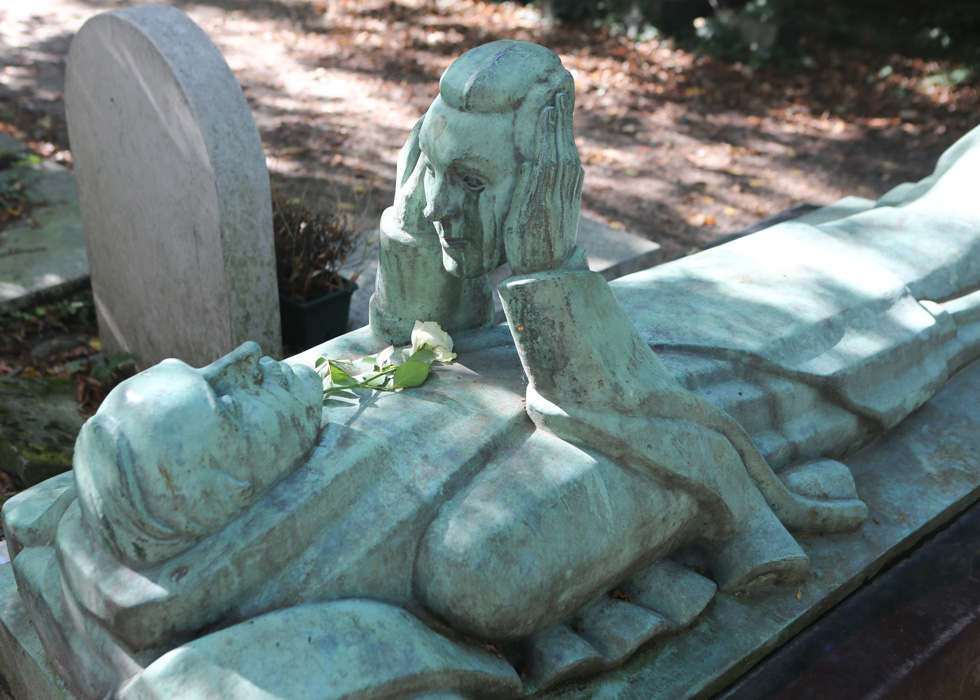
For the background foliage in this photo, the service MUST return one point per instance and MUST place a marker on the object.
(928, 28)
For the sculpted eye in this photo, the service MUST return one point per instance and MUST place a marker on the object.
(232, 407)
(473, 183)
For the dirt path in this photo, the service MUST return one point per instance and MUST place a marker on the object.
(676, 147)
(679, 148)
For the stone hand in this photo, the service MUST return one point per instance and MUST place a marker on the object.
(409, 192)
(542, 224)
(412, 283)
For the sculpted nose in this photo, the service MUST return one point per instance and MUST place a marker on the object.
(442, 203)
(237, 368)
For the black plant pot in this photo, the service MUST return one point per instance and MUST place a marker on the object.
(309, 323)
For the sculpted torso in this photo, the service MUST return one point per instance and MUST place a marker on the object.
(560, 457)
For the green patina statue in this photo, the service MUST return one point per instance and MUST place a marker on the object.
(489, 175)
(223, 537)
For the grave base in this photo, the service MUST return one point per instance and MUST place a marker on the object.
(25, 672)
(915, 630)
(915, 479)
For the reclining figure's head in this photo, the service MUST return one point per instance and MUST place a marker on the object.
(175, 452)
(479, 130)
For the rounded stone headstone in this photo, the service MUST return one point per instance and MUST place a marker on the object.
(173, 188)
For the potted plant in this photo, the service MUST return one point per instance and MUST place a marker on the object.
(311, 248)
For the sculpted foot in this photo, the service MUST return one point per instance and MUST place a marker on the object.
(821, 479)
(761, 553)
(556, 654)
(662, 599)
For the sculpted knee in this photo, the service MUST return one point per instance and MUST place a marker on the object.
(527, 547)
(481, 579)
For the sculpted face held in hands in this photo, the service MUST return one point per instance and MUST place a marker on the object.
(469, 184)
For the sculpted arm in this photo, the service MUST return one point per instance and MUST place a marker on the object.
(412, 283)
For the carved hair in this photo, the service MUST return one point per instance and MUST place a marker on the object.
(166, 461)
(113, 480)
(508, 76)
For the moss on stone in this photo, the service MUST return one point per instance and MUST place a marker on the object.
(39, 421)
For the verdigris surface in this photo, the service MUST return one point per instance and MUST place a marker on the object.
(579, 483)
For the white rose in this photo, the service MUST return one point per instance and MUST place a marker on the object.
(430, 336)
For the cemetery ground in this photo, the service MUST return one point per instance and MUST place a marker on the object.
(677, 147)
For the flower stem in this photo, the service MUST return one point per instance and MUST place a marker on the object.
(364, 384)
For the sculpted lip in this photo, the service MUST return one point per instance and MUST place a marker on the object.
(443, 228)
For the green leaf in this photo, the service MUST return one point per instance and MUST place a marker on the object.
(319, 361)
(333, 398)
(410, 374)
(338, 376)
(377, 380)
(346, 365)
(424, 355)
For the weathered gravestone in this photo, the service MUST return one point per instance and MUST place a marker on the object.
(173, 188)
(641, 488)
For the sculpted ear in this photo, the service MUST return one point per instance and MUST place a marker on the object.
(142, 513)
(111, 499)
